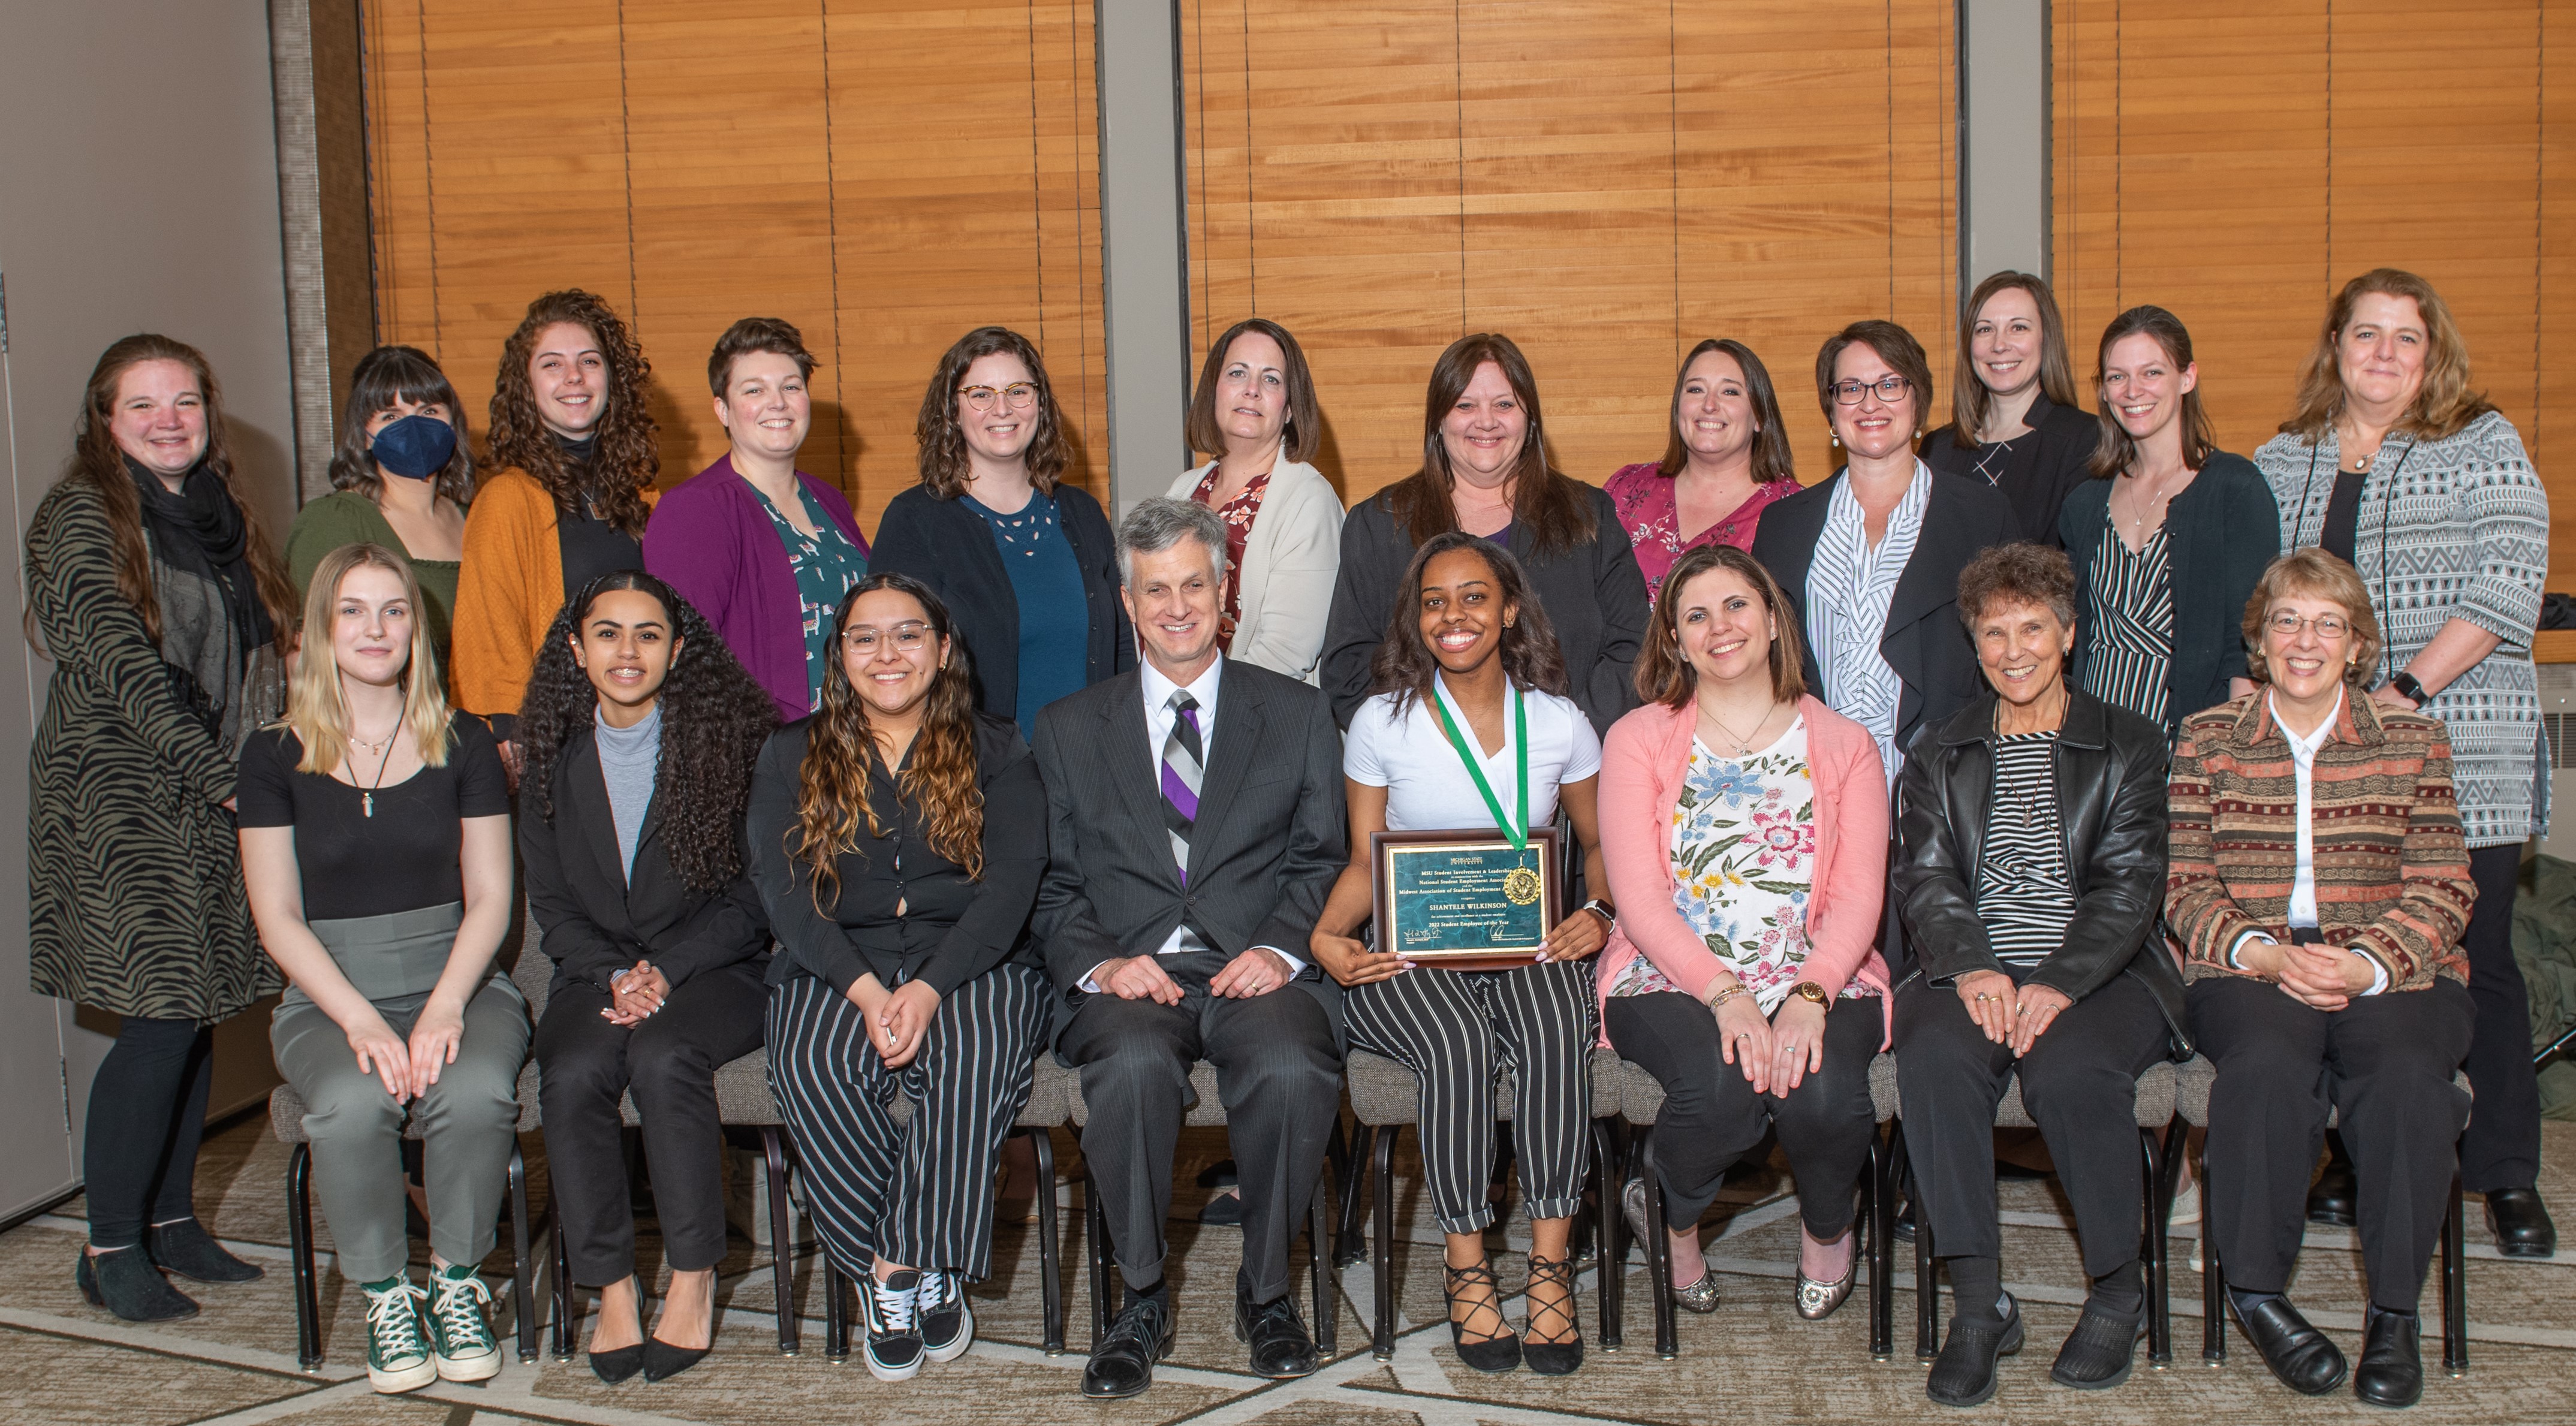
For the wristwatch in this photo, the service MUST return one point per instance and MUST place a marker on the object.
(1609, 915)
(1811, 992)
(2406, 683)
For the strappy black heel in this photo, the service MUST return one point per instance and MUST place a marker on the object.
(1552, 1358)
(1501, 1349)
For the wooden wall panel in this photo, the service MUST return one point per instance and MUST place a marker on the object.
(883, 175)
(1604, 183)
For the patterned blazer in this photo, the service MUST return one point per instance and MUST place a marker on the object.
(2391, 870)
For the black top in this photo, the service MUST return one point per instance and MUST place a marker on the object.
(1593, 594)
(595, 920)
(951, 929)
(586, 545)
(949, 547)
(2343, 515)
(2221, 532)
(403, 858)
(2035, 471)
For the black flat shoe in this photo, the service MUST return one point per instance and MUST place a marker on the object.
(2297, 1353)
(617, 1364)
(2100, 1352)
(2520, 1222)
(125, 1283)
(2392, 1360)
(186, 1248)
(1501, 1350)
(1225, 1210)
(662, 1361)
(1964, 1374)
(2335, 1198)
(1281, 1348)
(1123, 1363)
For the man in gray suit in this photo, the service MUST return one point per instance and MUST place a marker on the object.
(1195, 824)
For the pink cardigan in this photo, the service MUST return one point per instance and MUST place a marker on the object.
(1643, 761)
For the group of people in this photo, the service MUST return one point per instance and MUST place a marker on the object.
(2038, 747)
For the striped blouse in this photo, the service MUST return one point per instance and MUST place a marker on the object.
(2130, 599)
(2025, 895)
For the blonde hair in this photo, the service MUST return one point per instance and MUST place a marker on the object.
(315, 710)
(2318, 575)
(2443, 404)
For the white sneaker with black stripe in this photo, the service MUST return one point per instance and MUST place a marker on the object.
(947, 1322)
(888, 1306)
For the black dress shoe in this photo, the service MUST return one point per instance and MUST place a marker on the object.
(186, 1248)
(1225, 1210)
(2392, 1360)
(2100, 1351)
(2335, 1198)
(2521, 1223)
(617, 1364)
(2297, 1353)
(1964, 1373)
(125, 1283)
(1123, 1363)
(1904, 1229)
(1281, 1350)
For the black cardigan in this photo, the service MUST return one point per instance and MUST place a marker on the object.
(2221, 532)
(596, 920)
(2042, 469)
(1593, 594)
(1924, 641)
(949, 547)
(953, 929)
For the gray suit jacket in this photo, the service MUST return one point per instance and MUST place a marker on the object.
(1268, 841)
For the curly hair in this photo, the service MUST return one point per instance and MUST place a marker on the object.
(942, 439)
(2443, 405)
(384, 376)
(832, 785)
(714, 719)
(626, 460)
(1404, 664)
(2017, 573)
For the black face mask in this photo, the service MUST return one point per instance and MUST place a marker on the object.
(415, 447)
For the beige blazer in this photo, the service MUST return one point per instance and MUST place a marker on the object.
(1289, 563)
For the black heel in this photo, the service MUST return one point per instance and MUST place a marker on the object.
(1552, 1358)
(617, 1364)
(1498, 1353)
(662, 1361)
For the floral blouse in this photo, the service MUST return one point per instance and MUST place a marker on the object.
(826, 564)
(1743, 861)
(1237, 515)
(1643, 496)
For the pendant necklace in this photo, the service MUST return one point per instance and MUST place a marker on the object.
(367, 796)
(1743, 745)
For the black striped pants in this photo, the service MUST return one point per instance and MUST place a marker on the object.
(1452, 1029)
(920, 1194)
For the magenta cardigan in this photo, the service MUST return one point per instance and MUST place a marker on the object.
(1643, 762)
(711, 539)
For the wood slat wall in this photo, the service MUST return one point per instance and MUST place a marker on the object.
(884, 175)
(1606, 184)
(2238, 164)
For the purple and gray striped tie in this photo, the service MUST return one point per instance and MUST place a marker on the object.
(1184, 763)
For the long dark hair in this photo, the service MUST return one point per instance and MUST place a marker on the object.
(1665, 674)
(1404, 664)
(1772, 459)
(714, 719)
(1549, 510)
(98, 460)
(942, 441)
(1969, 398)
(2116, 449)
(385, 376)
(625, 462)
(832, 785)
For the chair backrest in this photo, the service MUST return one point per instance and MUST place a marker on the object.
(532, 970)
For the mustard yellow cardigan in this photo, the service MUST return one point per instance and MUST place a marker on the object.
(507, 594)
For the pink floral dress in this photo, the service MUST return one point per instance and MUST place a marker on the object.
(1643, 496)
(1238, 515)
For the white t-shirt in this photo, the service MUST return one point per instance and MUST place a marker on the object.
(1427, 788)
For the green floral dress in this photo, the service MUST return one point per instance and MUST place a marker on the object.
(826, 565)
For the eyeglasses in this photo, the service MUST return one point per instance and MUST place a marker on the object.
(908, 638)
(2287, 625)
(1020, 394)
(1890, 389)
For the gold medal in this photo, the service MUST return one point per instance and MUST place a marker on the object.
(1520, 886)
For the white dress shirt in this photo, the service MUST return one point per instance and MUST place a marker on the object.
(1850, 585)
(2303, 884)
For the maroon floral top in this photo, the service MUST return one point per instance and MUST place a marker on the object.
(1643, 495)
(1237, 515)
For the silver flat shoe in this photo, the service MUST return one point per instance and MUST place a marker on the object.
(1700, 1296)
(1632, 1205)
(1817, 1300)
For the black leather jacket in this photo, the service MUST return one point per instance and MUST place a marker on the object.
(2111, 767)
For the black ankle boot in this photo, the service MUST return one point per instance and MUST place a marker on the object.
(186, 1248)
(125, 1283)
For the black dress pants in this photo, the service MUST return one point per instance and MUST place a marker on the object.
(147, 1112)
(2502, 1146)
(2383, 1063)
(585, 1066)
(2080, 1084)
(1712, 1119)
(1279, 1075)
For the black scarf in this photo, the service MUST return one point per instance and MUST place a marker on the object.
(203, 531)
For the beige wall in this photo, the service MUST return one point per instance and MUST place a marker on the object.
(138, 191)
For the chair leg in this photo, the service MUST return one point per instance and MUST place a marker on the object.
(2455, 1287)
(782, 1252)
(1348, 1244)
(836, 1311)
(1319, 1261)
(2159, 1209)
(1382, 1248)
(567, 1300)
(1927, 1283)
(1882, 1247)
(299, 1251)
(1659, 1259)
(1096, 1231)
(2213, 1274)
(1050, 1248)
(1613, 1257)
(523, 1287)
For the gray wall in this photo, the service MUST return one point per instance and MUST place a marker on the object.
(138, 191)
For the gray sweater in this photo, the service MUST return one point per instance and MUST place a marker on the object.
(627, 760)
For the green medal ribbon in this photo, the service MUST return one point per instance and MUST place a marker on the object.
(1516, 831)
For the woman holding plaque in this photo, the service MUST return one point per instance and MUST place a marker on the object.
(1470, 679)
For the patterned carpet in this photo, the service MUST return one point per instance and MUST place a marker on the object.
(63, 1362)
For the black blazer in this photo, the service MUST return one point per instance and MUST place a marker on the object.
(953, 928)
(2042, 470)
(596, 921)
(1267, 843)
(950, 548)
(1594, 595)
(1924, 641)
(2111, 805)
(2221, 533)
